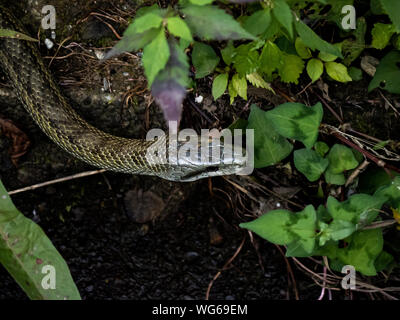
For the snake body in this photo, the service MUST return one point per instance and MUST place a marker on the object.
(40, 95)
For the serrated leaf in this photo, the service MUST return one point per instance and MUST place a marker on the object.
(219, 85)
(258, 22)
(270, 58)
(144, 23)
(269, 146)
(204, 59)
(257, 80)
(337, 71)
(246, 59)
(24, 252)
(240, 85)
(313, 41)
(381, 34)
(297, 121)
(387, 74)
(283, 14)
(155, 56)
(132, 42)
(310, 163)
(302, 50)
(179, 28)
(392, 8)
(211, 23)
(315, 68)
(291, 68)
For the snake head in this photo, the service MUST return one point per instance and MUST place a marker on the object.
(202, 157)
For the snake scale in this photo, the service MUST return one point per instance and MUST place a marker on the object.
(40, 95)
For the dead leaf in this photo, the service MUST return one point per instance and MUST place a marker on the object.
(20, 141)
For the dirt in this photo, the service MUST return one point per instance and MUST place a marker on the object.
(180, 236)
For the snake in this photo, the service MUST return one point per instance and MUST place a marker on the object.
(39, 93)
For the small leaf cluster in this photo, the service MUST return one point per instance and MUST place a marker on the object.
(338, 229)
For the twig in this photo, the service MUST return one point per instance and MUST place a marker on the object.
(224, 268)
(356, 172)
(47, 183)
(290, 271)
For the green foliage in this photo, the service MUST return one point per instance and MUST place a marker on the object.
(387, 74)
(25, 250)
(381, 34)
(269, 146)
(309, 233)
(310, 163)
(297, 121)
(204, 59)
(220, 84)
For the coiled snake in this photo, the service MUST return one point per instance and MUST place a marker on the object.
(42, 98)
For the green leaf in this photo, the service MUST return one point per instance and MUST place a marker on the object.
(201, 2)
(232, 92)
(246, 59)
(155, 56)
(169, 86)
(283, 14)
(387, 74)
(6, 33)
(179, 28)
(383, 261)
(297, 121)
(204, 59)
(313, 41)
(302, 50)
(391, 193)
(25, 250)
(270, 58)
(258, 22)
(337, 71)
(363, 249)
(355, 73)
(257, 80)
(341, 159)
(283, 227)
(315, 68)
(273, 226)
(310, 163)
(144, 23)
(321, 148)
(269, 146)
(361, 209)
(228, 53)
(327, 57)
(132, 42)
(340, 229)
(335, 178)
(211, 23)
(291, 68)
(219, 85)
(392, 8)
(381, 34)
(352, 48)
(240, 85)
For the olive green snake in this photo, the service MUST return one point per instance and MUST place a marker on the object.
(40, 95)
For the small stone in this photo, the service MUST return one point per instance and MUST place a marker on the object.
(199, 99)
